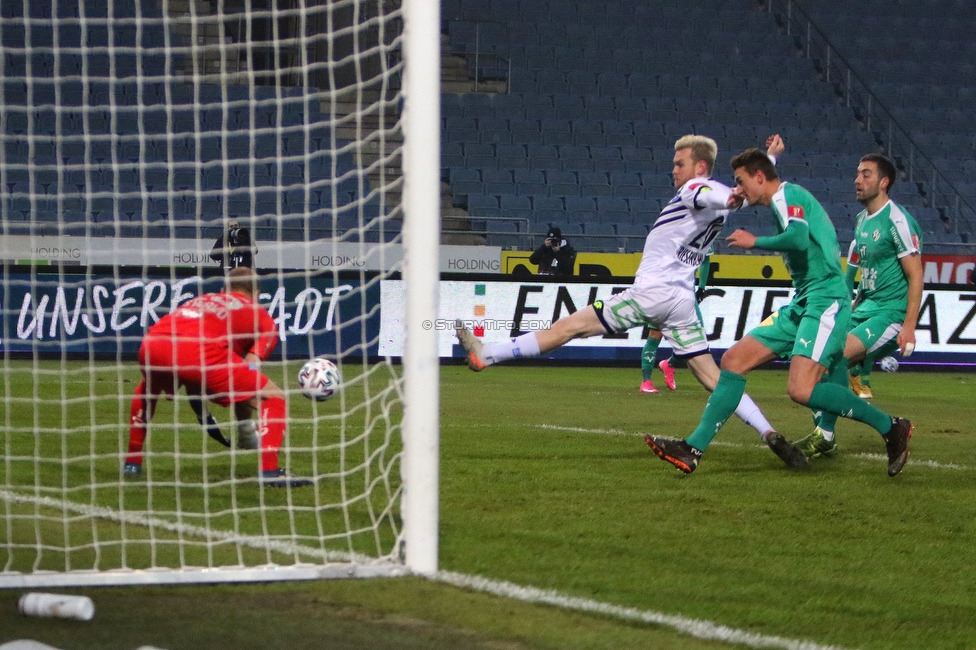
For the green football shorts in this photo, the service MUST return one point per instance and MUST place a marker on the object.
(878, 330)
(816, 329)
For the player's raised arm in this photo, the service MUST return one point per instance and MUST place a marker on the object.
(775, 146)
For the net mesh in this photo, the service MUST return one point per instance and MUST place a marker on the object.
(133, 135)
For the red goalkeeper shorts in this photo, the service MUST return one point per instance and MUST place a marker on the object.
(212, 371)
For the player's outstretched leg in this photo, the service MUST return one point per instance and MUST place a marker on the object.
(668, 371)
(481, 355)
(896, 443)
(472, 347)
(685, 454)
(787, 452)
(896, 432)
(677, 452)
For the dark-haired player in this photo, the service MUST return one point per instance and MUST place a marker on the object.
(887, 248)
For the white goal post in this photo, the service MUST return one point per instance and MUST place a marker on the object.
(133, 135)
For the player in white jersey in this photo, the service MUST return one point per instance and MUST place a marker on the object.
(663, 293)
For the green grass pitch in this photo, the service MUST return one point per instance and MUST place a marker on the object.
(546, 482)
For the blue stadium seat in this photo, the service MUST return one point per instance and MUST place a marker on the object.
(632, 236)
(599, 108)
(502, 233)
(578, 204)
(575, 157)
(508, 106)
(547, 203)
(475, 105)
(566, 107)
(530, 182)
(511, 204)
(495, 179)
(596, 190)
(607, 159)
(562, 183)
(611, 204)
(452, 155)
(526, 132)
(587, 133)
(630, 109)
(451, 106)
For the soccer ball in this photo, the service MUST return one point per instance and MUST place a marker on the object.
(319, 379)
(889, 364)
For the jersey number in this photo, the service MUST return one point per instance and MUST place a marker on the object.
(703, 240)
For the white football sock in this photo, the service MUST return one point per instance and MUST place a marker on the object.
(247, 434)
(828, 435)
(751, 415)
(517, 348)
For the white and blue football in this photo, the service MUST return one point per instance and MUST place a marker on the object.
(889, 364)
(319, 379)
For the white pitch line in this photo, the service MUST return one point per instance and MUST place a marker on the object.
(212, 535)
(606, 432)
(693, 627)
(718, 443)
(911, 461)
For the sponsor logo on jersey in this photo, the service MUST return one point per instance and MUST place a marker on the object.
(690, 257)
(794, 211)
(915, 241)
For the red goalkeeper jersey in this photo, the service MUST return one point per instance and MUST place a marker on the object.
(216, 322)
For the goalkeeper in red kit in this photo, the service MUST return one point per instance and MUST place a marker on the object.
(212, 345)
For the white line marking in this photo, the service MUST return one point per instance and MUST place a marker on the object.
(911, 461)
(211, 535)
(718, 443)
(606, 432)
(693, 627)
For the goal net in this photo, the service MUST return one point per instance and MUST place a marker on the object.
(134, 136)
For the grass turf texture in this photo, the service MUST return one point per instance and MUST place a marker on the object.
(546, 482)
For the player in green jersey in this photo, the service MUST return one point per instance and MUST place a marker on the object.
(811, 331)
(887, 248)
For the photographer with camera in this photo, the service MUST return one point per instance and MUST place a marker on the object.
(555, 256)
(234, 248)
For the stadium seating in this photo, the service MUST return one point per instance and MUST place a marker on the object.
(87, 164)
(596, 89)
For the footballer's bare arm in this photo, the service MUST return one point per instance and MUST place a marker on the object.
(741, 239)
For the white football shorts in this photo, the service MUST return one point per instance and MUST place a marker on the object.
(670, 309)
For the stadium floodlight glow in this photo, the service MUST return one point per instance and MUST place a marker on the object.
(131, 135)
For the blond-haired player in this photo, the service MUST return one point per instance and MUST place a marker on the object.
(663, 293)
